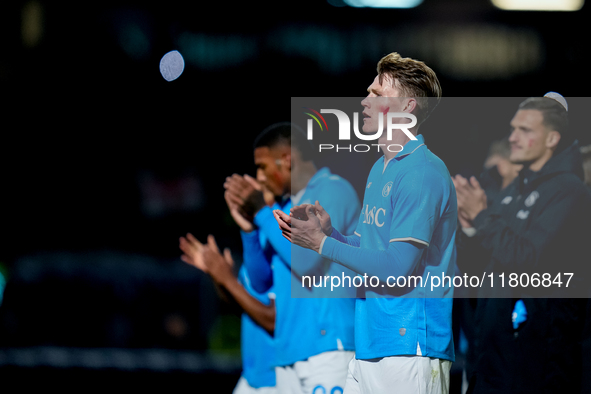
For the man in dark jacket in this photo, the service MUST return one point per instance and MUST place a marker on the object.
(539, 227)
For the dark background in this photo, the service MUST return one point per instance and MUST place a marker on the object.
(104, 164)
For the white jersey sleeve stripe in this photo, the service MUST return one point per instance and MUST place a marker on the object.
(322, 244)
(409, 239)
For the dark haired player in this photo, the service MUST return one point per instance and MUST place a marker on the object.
(313, 336)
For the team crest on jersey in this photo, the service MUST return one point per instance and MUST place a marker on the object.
(386, 189)
(506, 200)
(531, 199)
(368, 185)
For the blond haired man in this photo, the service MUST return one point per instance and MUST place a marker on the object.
(403, 336)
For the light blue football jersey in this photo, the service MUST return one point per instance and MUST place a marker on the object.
(410, 199)
(306, 326)
(257, 345)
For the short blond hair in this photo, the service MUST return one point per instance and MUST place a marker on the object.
(412, 78)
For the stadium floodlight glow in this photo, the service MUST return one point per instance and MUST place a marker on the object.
(383, 3)
(539, 5)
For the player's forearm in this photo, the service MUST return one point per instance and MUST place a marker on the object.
(267, 224)
(256, 263)
(263, 315)
(353, 240)
(223, 293)
(399, 259)
(306, 262)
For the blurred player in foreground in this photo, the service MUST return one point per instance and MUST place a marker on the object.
(403, 338)
(258, 319)
(313, 336)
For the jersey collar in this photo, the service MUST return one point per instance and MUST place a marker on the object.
(411, 146)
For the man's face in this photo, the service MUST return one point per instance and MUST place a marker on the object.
(528, 137)
(273, 169)
(381, 99)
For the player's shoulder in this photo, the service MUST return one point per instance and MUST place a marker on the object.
(424, 162)
(332, 182)
(565, 186)
(422, 155)
(569, 181)
(333, 191)
(422, 171)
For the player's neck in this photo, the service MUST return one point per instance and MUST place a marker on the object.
(537, 164)
(301, 174)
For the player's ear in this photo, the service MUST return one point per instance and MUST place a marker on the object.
(286, 160)
(552, 139)
(410, 105)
